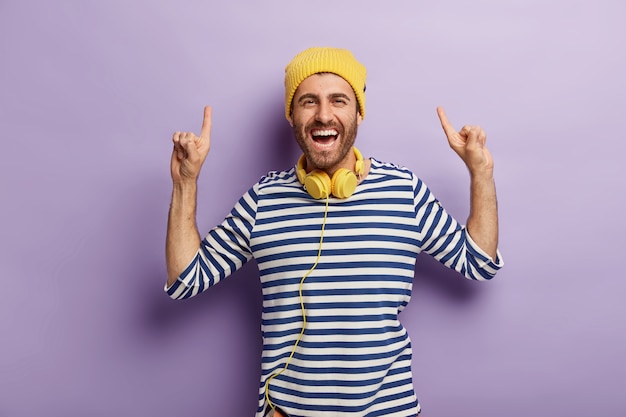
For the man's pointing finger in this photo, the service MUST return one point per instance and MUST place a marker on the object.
(206, 123)
(445, 123)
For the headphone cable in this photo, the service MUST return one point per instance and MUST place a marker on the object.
(293, 351)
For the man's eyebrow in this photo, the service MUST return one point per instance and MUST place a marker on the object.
(307, 96)
(315, 96)
(339, 95)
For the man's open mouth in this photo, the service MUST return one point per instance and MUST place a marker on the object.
(324, 136)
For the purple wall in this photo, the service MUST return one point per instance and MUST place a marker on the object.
(90, 93)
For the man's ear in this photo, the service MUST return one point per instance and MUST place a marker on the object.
(359, 119)
(290, 119)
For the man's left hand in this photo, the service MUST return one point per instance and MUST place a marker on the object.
(469, 144)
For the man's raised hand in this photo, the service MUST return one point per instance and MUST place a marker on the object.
(469, 144)
(190, 151)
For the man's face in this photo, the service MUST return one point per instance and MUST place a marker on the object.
(325, 120)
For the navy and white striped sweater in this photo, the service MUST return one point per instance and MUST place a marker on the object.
(354, 358)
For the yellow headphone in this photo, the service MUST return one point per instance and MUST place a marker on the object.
(319, 185)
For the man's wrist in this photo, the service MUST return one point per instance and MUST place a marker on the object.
(185, 184)
(184, 194)
(482, 175)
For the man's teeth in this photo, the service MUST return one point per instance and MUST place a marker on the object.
(330, 132)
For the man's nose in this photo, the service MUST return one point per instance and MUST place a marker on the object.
(324, 113)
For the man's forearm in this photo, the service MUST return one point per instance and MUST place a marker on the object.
(183, 239)
(482, 223)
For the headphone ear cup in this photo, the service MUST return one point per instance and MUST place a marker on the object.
(343, 183)
(318, 184)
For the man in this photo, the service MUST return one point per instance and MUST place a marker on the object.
(335, 240)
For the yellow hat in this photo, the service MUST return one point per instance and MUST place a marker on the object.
(316, 60)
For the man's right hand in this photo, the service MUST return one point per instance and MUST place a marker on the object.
(190, 151)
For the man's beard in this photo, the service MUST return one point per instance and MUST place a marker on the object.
(326, 160)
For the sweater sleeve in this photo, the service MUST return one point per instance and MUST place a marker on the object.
(225, 249)
(448, 241)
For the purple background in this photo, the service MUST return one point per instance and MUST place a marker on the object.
(90, 93)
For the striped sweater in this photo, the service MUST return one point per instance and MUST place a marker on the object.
(354, 358)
